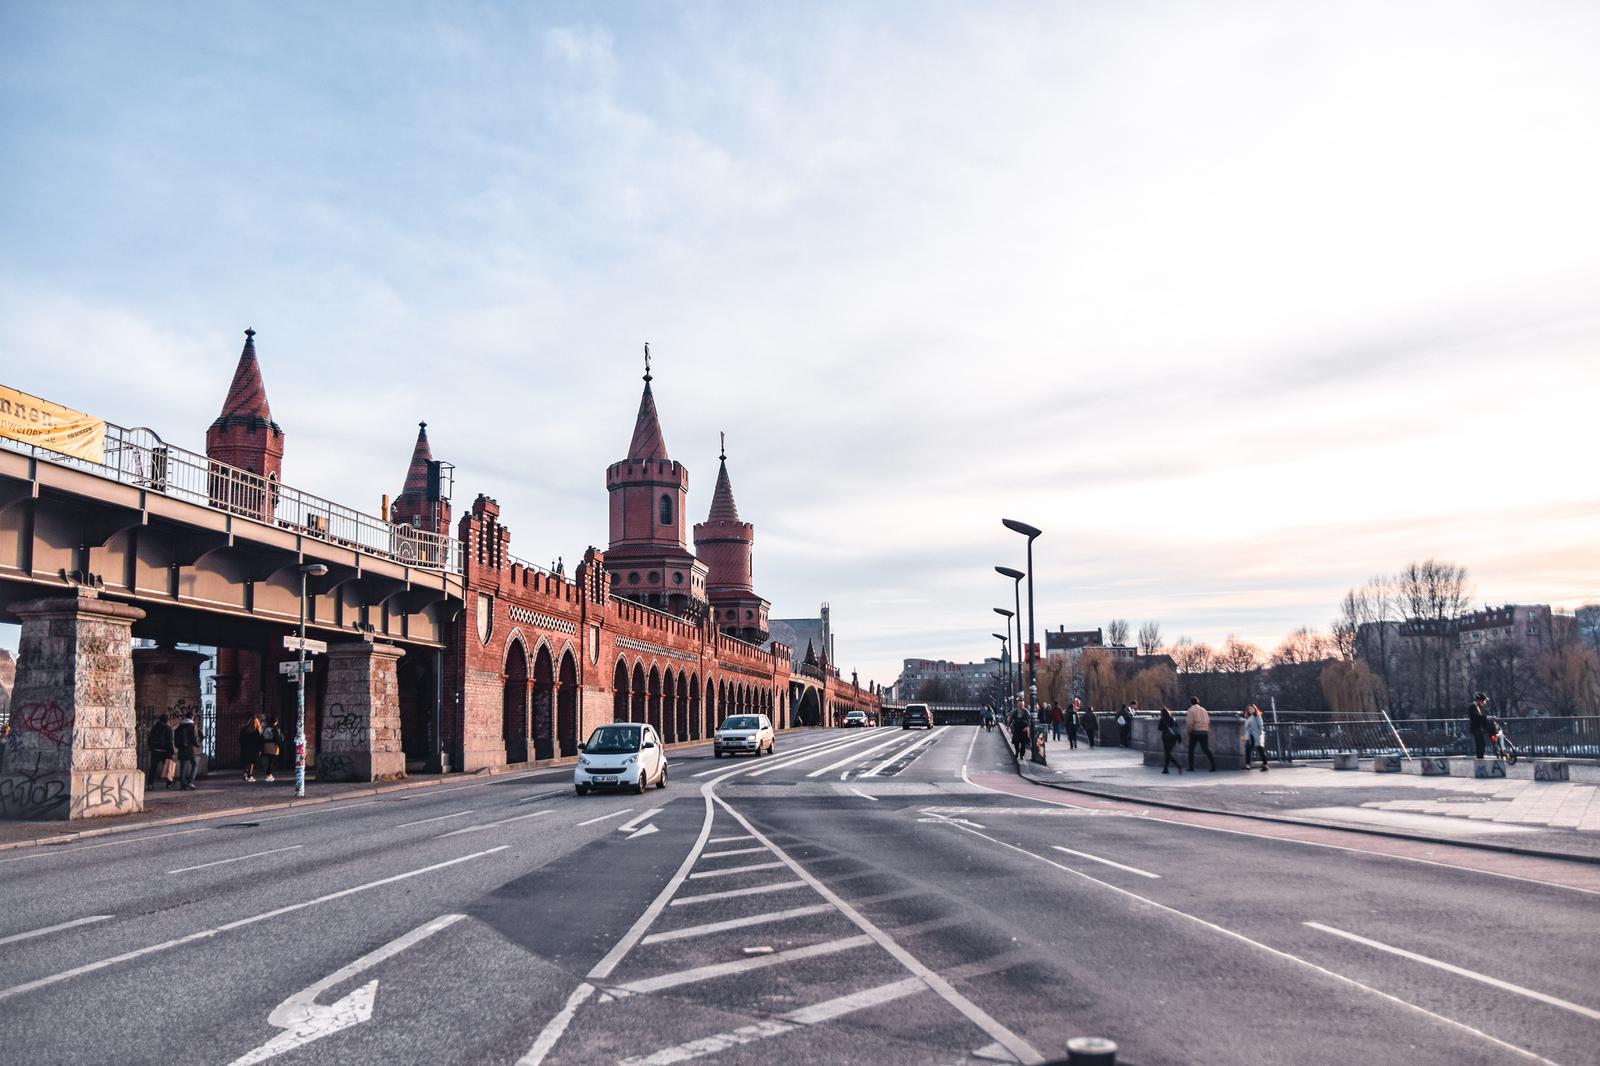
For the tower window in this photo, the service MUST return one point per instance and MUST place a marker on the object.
(666, 509)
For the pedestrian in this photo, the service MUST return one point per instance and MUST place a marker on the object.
(1091, 725)
(1170, 734)
(271, 745)
(186, 739)
(1479, 724)
(250, 747)
(1255, 735)
(1056, 719)
(1125, 725)
(1019, 734)
(1070, 722)
(1198, 722)
(160, 745)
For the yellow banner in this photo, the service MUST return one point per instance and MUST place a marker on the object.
(48, 425)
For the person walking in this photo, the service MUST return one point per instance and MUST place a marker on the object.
(1069, 721)
(271, 745)
(1170, 734)
(1255, 735)
(1479, 724)
(250, 747)
(1019, 734)
(1199, 726)
(1091, 726)
(1125, 725)
(159, 742)
(186, 739)
(1056, 718)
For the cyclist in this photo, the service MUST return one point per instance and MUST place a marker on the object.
(1480, 724)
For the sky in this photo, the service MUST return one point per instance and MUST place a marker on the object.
(1240, 303)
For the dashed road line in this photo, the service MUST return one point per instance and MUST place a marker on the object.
(782, 886)
(237, 858)
(733, 923)
(728, 871)
(603, 817)
(725, 969)
(30, 934)
(1096, 858)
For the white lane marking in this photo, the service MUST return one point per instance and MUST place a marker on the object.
(903, 752)
(1096, 858)
(828, 742)
(724, 969)
(815, 753)
(550, 1035)
(438, 818)
(1495, 982)
(782, 886)
(1019, 1048)
(864, 795)
(731, 851)
(815, 1014)
(306, 1020)
(633, 823)
(329, 809)
(857, 756)
(14, 937)
(239, 858)
(491, 825)
(729, 840)
(203, 934)
(1229, 933)
(727, 870)
(604, 817)
(55, 851)
(736, 923)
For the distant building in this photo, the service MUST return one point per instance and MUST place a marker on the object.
(1064, 641)
(959, 681)
(799, 633)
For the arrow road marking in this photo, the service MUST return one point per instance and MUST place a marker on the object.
(633, 829)
(304, 1020)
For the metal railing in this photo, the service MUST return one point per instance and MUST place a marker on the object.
(141, 458)
(1564, 737)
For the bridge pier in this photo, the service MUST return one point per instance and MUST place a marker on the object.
(361, 724)
(73, 750)
(165, 681)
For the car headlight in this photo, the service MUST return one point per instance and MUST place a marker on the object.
(583, 761)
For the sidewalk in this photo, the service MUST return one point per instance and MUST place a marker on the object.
(1555, 817)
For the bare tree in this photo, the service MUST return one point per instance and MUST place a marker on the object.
(1117, 632)
(1191, 658)
(1102, 687)
(1351, 689)
(1242, 661)
(1434, 595)
(1054, 675)
(1149, 638)
(1304, 645)
(1154, 686)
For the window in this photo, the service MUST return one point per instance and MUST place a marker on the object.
(666, 509)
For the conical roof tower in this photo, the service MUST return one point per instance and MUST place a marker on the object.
(725, 544)
(244, 434)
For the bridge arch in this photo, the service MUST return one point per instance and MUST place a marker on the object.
(669, 701)
(694, 707)
(544, 684)
(567, 705)
(638, 693)
(653, 703)
(619, 692)
(514, 701)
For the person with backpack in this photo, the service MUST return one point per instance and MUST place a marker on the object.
(1170, 734)
(271, 745)
(1019, 733)
(250, 747)
(1069, 721)
(160, 744)
(186, 739)
(1255, 735)
(1125, 725)
(1198, 722)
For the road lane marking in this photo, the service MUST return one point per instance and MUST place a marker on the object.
(329, 809)
(203, 934)
(1108, 862)
(782, 886)
(729, 840)
(824, 743)
(14, 937)
(55, 851)
(604, 817)
(491, 825)
(1019, 1048)
(725, 871)
(815, 1014)
(1495, 982)
(439, 818)
(733, 851)
(864, 795)
(812, 754)
(903, 752)
(724, 969)
(633, 823)
(736, 923)
(857, 756)
(305, 1020)
(1229, 933)
(238, 858)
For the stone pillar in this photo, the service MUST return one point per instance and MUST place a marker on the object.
(165, 681)
(73, 750)
(361, 715)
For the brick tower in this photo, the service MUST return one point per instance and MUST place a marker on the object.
(244, 434)
(724, 543)
(649, 558)
(421, 504)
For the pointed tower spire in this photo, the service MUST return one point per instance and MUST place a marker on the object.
(417, 472)
(247, 395)
(416, 506)
(722, 506)
(244, 434)
(647, 443)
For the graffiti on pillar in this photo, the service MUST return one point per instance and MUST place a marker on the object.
(332, 766)
(344, 726)
(48, 719)
(33, 793)
(107, 793)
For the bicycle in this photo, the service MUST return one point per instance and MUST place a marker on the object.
(1504, 750)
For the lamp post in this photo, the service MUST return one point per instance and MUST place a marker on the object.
(1005, 657)
(1032, 533)
(1016, 577)
(306, 570)
(1012, 683)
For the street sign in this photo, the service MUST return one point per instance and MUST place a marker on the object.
(312, 647)
(293, 667)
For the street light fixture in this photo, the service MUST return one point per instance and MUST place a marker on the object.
(1005, 656)
(1032, 533)
(306, 570)
(1014, 683)
(1016, 577)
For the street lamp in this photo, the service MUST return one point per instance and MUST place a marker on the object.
(1012, 683)
(306, 570)
(1005, 657)
(1016, 577)
(1032, 533)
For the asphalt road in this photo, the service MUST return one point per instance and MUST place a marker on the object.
(872, 897)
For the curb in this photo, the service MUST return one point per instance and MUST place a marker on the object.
(1507, 849)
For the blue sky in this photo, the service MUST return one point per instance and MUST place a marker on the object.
(1240, 302)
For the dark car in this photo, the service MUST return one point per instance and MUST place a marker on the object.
(916, 714)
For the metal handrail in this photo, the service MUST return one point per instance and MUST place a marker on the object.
(139, 457)
(1555, 736)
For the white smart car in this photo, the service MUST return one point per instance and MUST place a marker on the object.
(623, 755)
(748, 733)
